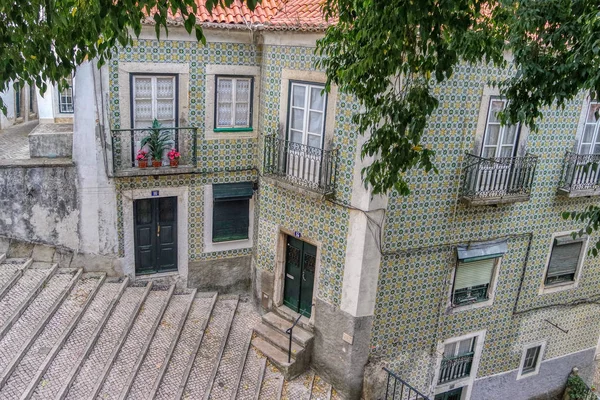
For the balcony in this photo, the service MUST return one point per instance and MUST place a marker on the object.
(580, 175)
(488, 181)
(304, 166)
(127, 142)
(455, 368)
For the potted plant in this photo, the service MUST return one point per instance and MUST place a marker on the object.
(142, 158)
(157, 141)
(174, 158)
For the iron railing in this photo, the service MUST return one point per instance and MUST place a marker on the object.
(580, 172)
(455, 367)
(470, 294)
(126, 143)
(290, 332)
(397, 389)
(489, 178)
(301, 165)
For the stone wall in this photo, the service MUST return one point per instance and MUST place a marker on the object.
(38, 202)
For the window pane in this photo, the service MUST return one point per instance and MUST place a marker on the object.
(315, 122)
(165, 88)
(317, 100)
(506, 151)
(296, 137)
(143, 88)
(510, 134)
(297, 119)
(143, 110)
(242, 90)
(489, 152)
(588, 133)
(492, 134)
(165, 109)
(496, 105)
(224, 90)
(450, 349)
(465, 346)
(298, 95)
(314, 141)
(531, 359)
(224, 114)
(585, 149)
(594, 107)
(241, 114)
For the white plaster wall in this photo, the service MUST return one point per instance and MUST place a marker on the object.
(45, 103)
(8, 97)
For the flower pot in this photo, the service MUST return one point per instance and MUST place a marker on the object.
(174, 163)
(142, 163)
(156, 163)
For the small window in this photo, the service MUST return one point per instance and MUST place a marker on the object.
(231, 211)
(590, 140)
(498, 140)
(233, 106)
(65, 98)
(472, 281)
(564, 260)
(154, 97)
(531, 359)
(458, 360)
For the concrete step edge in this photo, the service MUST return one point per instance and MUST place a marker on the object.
(190, 363)
(174, 340)
(280, 388)
(111, 359)
(142, 356)
(16, 276)
(261, 376)
(299, 335)
(240, 372)
(23, 306)
(61, 340)
(291, 316)
(64, 390)
(2, 257)
(213, 374)
(36, 332)
(274, 354)
(278, 339)
(312, 383)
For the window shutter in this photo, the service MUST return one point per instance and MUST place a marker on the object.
(473, 273)
(230, 220)
(564, 258)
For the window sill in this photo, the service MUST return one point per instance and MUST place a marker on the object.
(527, 374)
(471, 306)
(229, 241)
(218, 130)
(557, 287)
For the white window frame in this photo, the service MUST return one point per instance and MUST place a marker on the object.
(557, 287)
(542, 346)
(60, 95)
(153, 98)
(466, 382)
(595, 135)
(491, 290)
(307, 110)
(234, 80)
(501, 133)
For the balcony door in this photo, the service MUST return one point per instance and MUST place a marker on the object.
(498, 149)
(306, 131)
(588, 151)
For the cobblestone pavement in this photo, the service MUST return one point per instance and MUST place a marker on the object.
(14, 143)
(88, 336)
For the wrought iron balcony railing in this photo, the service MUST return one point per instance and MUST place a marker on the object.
(127, 142)
(455, 368)
(497, 180)
(306, 166)
(580, 174)
(397, 389)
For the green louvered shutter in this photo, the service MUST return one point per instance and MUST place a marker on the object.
(474, 273)
(230, 220)
(564, 260)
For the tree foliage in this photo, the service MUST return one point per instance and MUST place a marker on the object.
(44, 40)
(390, 54)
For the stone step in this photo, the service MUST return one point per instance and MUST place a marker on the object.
(29, 361)
(335, 395)
(32, 321)
(22, 293)
(182, 360)
(11, 269)
(300, 336)
(2, 257)
(232, 361)
(298, 388)
(321, 390)
(277, 356)
(242, 365)
(206, 363)
(138, 340)
(252, 376)
(51, 377)
(292, 316)
(162, 346)
(272, 383)
(88, 380)
(278, 339)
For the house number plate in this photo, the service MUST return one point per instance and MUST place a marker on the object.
(154, 193)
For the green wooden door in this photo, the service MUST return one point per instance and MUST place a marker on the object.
(155, 235)
(300, 261)
(451, 395)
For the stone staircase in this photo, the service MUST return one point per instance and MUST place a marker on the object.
(273, 341)
(70, 334)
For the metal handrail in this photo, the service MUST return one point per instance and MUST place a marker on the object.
(289, 331)
(417, 394)
(580, 172)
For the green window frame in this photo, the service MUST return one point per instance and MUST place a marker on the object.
(231, 211)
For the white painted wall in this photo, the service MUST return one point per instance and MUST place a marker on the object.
(8, 97)
(45, 103)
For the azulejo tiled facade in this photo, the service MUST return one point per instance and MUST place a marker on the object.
(423, 229)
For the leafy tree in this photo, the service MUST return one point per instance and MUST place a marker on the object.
(390, 54)
(44, 40)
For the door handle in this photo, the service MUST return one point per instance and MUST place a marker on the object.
(158, 231)
(303, 277)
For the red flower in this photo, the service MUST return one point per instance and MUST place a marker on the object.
(173, 154)
(141, 155)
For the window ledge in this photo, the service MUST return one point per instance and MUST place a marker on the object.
(230, 241)
(452, 309)
(218, 130)
(557, 287)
